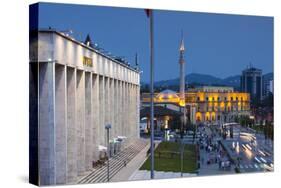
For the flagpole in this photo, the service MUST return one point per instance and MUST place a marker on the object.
(151, 95)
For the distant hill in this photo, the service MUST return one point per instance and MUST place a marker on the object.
(196, 79)
(202, 79)
(191, 78)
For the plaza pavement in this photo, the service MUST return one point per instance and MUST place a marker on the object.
(211, 169)
(145, 175)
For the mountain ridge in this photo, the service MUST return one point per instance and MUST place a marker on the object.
(195, 79)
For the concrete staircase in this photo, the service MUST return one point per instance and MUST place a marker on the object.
(116, 163)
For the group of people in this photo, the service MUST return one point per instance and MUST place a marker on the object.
(214, 152)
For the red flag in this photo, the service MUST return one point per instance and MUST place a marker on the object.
(148, 11)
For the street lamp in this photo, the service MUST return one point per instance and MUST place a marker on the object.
(182, 150)
(183, 121)
(107, 127)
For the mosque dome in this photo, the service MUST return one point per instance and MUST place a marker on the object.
(167, 94)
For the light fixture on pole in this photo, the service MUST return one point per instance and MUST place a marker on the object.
(108, 127)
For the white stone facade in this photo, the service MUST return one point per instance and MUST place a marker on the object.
(72, 103)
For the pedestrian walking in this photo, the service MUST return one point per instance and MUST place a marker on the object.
(125, 163)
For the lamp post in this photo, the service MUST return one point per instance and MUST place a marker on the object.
(107, 127)
(149, 14)
(182, 150)
(182, 108)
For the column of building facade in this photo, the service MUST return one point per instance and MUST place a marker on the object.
(135, 111)
(138, 110)
(132, 121)
(106, 105)
(131, 105)
(33, 123)
(136, 125)
(88, 121)
(95, 115)
(128, 111)
(114, 101)
(112, 108)
(121, 107)
(102, 107)
(125, 111)
(46, 146)
(60, 124)
(131, 124)
(80, 121)
(71, 125)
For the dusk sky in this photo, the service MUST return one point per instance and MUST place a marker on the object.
(216, 44)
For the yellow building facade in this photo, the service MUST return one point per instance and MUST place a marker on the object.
(206, 104)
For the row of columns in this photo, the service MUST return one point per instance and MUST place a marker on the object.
(73, 108)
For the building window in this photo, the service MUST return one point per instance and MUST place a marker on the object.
(213, 98)
(198, 98)
(241, 98)
(207, 98)
(237, 98)
(231, 98)
(225, 98)
(218, 99)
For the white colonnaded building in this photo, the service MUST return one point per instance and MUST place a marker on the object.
(75, 90)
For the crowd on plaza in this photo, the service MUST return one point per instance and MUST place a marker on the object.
(213, 151)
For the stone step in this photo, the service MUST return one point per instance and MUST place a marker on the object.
(116, 163)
